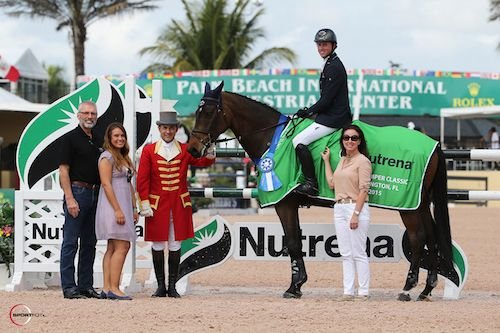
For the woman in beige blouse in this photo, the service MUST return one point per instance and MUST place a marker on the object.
(351, 181)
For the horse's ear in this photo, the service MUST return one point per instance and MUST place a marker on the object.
(207, 88)
(219, 88)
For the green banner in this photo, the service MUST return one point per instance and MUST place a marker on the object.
(398, 168)
(380, 92)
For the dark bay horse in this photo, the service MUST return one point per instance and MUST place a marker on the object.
(253, 124)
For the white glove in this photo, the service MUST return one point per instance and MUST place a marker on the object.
(146, 209)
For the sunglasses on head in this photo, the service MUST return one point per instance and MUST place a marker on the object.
(353, 138)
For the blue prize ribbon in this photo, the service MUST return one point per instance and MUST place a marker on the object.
(269, 181)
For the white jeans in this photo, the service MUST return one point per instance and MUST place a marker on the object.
(173, 245)
(312, 133)
(352, 246)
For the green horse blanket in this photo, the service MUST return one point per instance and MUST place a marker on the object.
(399, 159)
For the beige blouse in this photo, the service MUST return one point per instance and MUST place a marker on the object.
(352, 176)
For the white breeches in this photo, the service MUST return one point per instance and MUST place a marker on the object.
(352, 246)
(312, 133)
(173, 245)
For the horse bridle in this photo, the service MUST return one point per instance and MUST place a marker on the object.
(208, 140)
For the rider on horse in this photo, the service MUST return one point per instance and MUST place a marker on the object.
(331, 111)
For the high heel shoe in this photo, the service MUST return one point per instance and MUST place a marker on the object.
(112, 295)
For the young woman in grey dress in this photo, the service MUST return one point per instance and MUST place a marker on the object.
(116, 214)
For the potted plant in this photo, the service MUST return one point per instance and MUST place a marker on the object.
(7, 236)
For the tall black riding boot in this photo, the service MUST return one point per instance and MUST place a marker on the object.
(174, 259)
(310, 187)
(159, 266)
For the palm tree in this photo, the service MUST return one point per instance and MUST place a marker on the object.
(495, 13)
(215, 38)
(75, 15)
(57, 85)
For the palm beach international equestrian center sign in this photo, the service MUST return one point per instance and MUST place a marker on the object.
(380, 92)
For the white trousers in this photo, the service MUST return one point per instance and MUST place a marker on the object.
(352, 246)
(173, 245)
(312, 133)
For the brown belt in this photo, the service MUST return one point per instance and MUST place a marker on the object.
(345, 201)
(86, 185)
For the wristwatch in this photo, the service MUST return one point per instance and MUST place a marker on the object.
(357, 212)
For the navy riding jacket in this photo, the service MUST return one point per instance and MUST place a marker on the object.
(332, 108)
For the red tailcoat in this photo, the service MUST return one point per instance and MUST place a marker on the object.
(164, 183)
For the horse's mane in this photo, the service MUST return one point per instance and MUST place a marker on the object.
(248, 99)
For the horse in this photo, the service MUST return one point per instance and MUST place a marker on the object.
(253, 124)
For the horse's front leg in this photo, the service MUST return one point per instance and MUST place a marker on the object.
(290, 222)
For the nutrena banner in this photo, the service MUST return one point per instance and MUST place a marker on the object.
(380, 92)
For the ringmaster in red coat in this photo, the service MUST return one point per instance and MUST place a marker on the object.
(165, 201)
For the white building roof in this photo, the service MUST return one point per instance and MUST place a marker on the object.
(30, 67)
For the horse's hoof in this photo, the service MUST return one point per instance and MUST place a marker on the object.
(291, 294)
(404, 297)
(424, 298)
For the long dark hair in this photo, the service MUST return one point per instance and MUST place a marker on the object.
(363, 149)
(119, 155)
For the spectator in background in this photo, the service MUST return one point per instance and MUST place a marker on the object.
(493, 139)
(493, 136)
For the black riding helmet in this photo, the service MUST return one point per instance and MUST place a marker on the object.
(325, 35)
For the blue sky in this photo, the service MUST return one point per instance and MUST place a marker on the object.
(452, 35)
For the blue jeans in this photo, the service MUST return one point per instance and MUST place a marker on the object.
(82, 227)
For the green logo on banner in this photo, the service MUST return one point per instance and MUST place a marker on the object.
(37, 153)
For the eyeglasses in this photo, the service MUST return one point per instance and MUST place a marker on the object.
(129, 175)
(353, 138)
(87, 113)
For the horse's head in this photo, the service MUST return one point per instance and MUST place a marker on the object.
(209, 122)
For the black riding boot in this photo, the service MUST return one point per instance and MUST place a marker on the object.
(159, 266)
(174, 259)
(310, 187)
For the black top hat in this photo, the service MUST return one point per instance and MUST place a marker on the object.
(168, 118)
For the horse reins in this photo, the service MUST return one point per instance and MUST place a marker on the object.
(207, 141)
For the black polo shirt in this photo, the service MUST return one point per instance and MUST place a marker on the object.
(81, 153)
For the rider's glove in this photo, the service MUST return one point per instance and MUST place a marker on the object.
(146, 209)
(304, 113)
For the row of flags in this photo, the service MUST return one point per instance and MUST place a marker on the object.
(316, 72)
(293, 71)
(7, 71)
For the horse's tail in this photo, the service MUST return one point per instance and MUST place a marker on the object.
(442, 217)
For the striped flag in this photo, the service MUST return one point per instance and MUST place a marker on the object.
(7, 71)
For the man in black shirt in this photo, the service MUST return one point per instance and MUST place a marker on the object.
(79, 178)
(331, 111)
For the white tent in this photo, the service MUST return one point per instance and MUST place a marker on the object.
(11, 102)
(467, 113)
